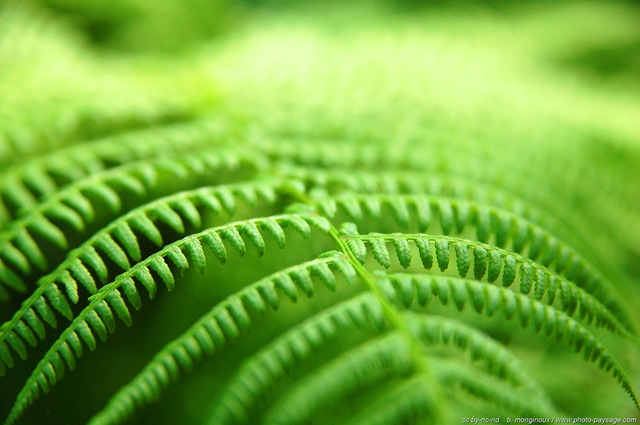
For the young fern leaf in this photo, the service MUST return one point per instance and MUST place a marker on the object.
(110, 296)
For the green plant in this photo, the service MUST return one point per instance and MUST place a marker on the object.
(416, 232)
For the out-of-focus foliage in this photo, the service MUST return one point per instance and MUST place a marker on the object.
(400, 211)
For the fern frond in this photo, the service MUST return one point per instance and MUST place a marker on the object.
(457, 163)
(408, 401)
(389, 356)
(493, 357)
(17, 246)
(442, 185)
(489, 299)
(109, 299)
(544, 250)
(217, 328)
(495, 262)
(355, 370)
(506, 228)
(436, 157)
(23, 186)
(119, 243)
(263, 370)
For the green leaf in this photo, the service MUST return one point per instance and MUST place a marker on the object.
(273, 228)
(231, 235)
(128, 241)
(403, 250)
(495, 264)
(442, 254)
(113, 250)
(509, 272)
(463, 261)
(380, 252)
(215, 244)
(196, 254)
(251, 231)
(480, 257)
(424, 250)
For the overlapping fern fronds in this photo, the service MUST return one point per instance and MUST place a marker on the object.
(299, 221)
